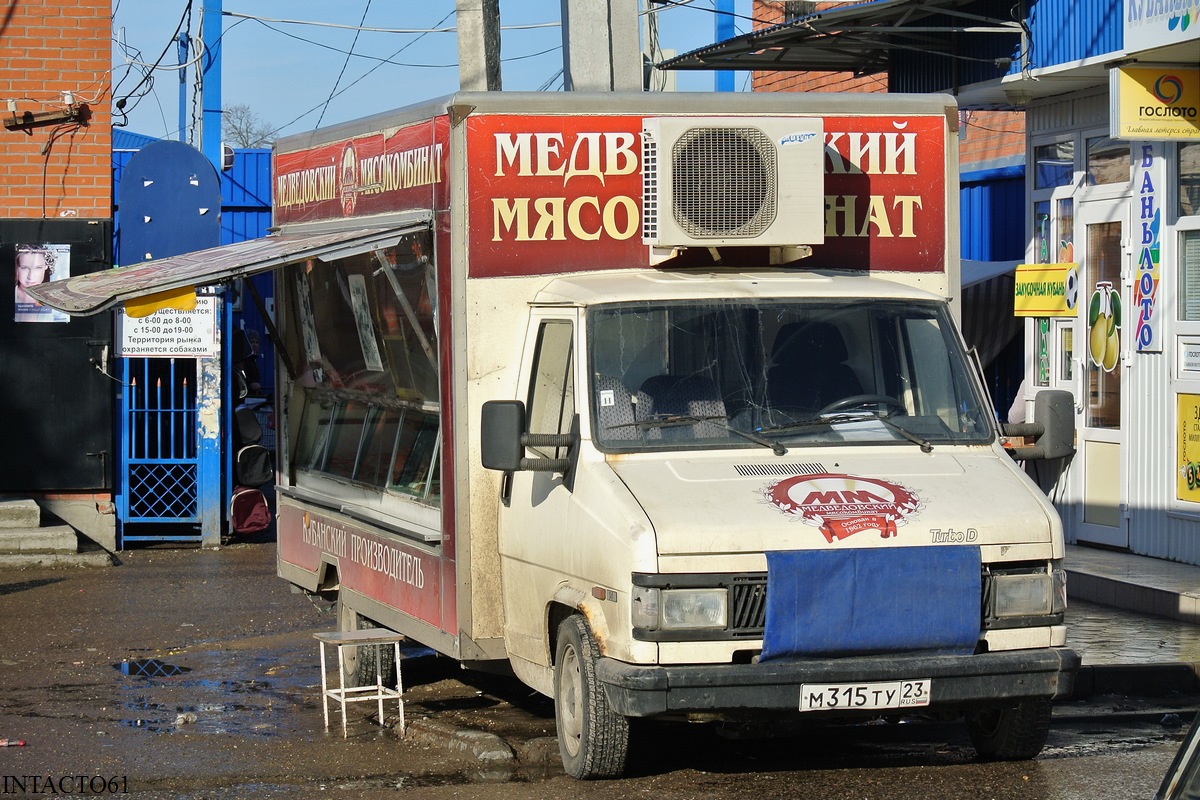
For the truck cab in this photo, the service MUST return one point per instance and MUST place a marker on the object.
(731, 493)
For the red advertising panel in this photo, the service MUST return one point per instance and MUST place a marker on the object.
(378, 567)
(553, 194)
(398, 169)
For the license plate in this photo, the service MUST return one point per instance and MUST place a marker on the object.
(853, 696)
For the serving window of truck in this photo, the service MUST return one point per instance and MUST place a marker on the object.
(367, 419)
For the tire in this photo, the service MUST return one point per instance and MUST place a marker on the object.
(1010, 733)
(361, 671)
(593, 740)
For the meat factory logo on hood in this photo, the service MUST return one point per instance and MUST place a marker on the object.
(843, 505)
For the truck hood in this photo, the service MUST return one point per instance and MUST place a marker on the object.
(709, 503)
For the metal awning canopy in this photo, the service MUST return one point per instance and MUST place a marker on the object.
(859, 38)
(98, 291)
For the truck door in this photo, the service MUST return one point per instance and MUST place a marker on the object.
(533, 520)
(1105, 262)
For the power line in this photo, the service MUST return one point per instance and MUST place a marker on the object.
(452, 29)
(349, 53)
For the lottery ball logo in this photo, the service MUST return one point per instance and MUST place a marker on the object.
(843, 505)
(1168, 89)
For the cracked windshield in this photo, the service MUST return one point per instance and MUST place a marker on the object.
(710, 374)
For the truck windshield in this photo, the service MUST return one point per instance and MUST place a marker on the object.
(704, 374)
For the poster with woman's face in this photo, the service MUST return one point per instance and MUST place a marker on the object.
(39, 263)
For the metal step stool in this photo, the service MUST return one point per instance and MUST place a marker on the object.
(374, 638)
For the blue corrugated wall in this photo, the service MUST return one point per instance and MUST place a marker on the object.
(1060, 32)
(991, 214)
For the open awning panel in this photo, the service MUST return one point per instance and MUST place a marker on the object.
(860, 38)
(99, 291)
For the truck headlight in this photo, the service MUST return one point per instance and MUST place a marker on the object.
(1022, 595)
(680, 609)
(1029, 595)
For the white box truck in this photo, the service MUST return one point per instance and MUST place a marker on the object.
(660, 402)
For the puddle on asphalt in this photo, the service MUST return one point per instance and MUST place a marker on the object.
(150, 668)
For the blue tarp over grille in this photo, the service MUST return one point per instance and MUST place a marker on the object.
(855, 602)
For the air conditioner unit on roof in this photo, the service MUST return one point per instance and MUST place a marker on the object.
(720, 181)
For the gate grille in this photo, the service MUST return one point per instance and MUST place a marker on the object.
(162, 491)
(159, 451)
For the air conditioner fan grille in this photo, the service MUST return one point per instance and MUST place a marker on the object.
(723, 182)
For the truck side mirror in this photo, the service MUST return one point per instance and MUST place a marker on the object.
(501, 426)
(1054, 410)
(1053, 426)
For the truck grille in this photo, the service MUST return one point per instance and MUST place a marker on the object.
(748, 605)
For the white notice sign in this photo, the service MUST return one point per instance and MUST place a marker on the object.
(172, 333)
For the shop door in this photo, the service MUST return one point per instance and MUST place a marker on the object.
(1103, 254)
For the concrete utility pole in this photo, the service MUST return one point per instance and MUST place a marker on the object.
(601, 51)
(478, 45)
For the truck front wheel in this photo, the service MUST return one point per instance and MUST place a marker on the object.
(1010, 733)
(592, 739)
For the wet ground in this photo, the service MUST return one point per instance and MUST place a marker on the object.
(193, 674)
(1105, 635)
(183, 670)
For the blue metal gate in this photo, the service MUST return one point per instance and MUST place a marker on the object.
(159, 451)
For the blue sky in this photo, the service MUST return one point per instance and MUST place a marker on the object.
(287, 73)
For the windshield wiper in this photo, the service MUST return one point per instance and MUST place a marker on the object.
(673, 420)
(838, 419)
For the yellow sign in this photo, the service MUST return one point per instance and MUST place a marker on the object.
(183, 299)
(1187, 454)
(1046, 290)
(1155, 103)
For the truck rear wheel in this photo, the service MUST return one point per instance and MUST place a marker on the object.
(1011, 733)
(592, 738)
(358, 664)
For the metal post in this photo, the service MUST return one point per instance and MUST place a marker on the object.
(184, 41)
(601, 51)
(723, 29)
(208, 385)
(209, 419)
(478, 45)
(210, 124)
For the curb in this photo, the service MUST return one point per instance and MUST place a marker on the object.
(1143, 680)
(483, 746)
(24, 560)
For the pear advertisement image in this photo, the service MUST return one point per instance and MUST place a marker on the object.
(1104, 323)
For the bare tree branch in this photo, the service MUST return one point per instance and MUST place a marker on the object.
(243, 128)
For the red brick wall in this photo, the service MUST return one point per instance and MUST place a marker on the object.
(52, 46)
(988, 134)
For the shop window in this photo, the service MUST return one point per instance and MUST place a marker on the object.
(368, 335)
(1066, 351)
(1189, 276)
(345, 436)
(1189, 179)
(1043, 232)
(1107, 161)
(1053, 164)
(369, 322)
(414, 470)
(1066, 231)
(379, 444)
(1042, 374)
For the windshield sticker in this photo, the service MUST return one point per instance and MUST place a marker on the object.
(843, 505)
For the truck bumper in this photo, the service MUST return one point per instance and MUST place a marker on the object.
(644, 691)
